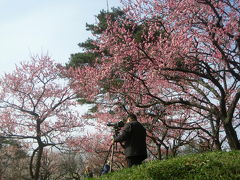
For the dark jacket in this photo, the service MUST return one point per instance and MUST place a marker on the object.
(134, 136)
(105, 169)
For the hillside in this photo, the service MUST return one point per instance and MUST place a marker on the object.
(206, 166)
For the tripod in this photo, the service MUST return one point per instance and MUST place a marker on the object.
(111, 152)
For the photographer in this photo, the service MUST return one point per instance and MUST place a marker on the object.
(133, 134)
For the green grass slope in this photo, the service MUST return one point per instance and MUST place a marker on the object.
(206, 166)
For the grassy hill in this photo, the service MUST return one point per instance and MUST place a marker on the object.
(206, 166)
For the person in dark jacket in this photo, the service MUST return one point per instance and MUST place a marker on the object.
(106, 168)
(133, 134)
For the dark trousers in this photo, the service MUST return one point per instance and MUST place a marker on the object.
(135, 160)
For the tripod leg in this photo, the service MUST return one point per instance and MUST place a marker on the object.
(112, 152)
(109, 151)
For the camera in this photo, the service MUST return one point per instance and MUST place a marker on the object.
(116, 125)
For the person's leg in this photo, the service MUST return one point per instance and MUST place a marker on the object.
(134, 160)
(129, 162)
(138, 160)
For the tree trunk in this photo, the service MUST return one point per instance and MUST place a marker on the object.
(174, 151)
(38, 163)
(231, 136)
(159, 151)
(217, 145)
(31, 163)
(166, 152)
(215, 130)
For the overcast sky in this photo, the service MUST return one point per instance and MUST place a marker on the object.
(44, 26)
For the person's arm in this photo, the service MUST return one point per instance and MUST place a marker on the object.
(124, 134)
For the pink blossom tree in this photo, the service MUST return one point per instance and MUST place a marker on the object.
(38, 107)
(181, 55)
